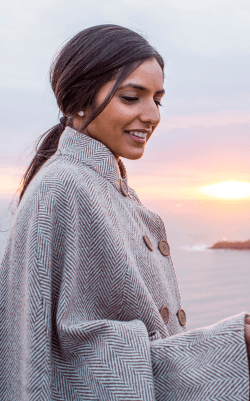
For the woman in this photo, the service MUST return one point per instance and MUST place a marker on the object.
(90, 306)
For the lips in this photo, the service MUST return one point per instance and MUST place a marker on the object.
(137, 136)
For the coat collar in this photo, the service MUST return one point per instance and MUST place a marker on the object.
(92, 153)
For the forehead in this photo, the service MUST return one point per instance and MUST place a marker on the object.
(149, 75)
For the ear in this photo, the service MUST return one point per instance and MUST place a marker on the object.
(79, 119)
(77, 122)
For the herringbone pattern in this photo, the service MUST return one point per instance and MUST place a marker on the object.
(80, 293)
(200, 360)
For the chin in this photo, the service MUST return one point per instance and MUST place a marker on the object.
(133, 156)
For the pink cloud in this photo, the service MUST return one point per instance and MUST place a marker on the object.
(204, 120)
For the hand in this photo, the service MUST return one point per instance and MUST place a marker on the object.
(247, 336)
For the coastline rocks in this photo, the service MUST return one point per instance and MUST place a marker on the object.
(238, 245)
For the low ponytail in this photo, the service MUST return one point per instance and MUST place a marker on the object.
(46, 147)
(93, 57)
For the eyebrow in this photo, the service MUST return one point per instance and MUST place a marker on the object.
(141, 88)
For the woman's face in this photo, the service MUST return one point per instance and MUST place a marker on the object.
(128, 121)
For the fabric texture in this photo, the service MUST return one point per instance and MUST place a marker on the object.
(81, 294)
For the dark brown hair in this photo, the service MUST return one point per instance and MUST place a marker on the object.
(89, 60)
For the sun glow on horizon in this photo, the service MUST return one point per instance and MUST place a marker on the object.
(228, 190)
(10, 178)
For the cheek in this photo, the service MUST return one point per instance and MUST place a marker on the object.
(116, 115)
(121, 114)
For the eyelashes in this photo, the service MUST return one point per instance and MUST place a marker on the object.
(130, 99)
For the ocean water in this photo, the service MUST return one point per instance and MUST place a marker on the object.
(214, 284)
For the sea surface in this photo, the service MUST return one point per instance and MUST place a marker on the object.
(214, 284)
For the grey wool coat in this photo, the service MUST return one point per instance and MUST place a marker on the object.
(81, 296)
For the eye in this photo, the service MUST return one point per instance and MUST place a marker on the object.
(130, 99)
(158, 103)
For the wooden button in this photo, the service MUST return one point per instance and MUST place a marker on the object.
(182, 317)
(164, 314)
(148, 242)
(164, 247)
(124, 187)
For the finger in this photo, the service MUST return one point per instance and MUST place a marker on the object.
(247, 319)
(247, 337)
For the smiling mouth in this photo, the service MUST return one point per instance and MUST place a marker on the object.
(142, 136)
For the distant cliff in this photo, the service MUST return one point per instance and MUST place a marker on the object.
(232, 245)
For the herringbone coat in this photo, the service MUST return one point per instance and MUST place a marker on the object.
(81, 295)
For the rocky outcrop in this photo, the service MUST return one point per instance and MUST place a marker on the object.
(232, 245)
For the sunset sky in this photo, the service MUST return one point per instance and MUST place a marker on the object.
(204, 136)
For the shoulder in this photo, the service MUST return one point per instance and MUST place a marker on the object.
(60, 179)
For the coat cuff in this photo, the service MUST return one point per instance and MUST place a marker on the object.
(210, 363)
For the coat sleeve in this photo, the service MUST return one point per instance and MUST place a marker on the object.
(60, 336)
(210, 363)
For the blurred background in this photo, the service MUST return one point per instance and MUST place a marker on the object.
(195, 170)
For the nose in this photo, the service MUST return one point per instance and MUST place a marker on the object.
(150, 113)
